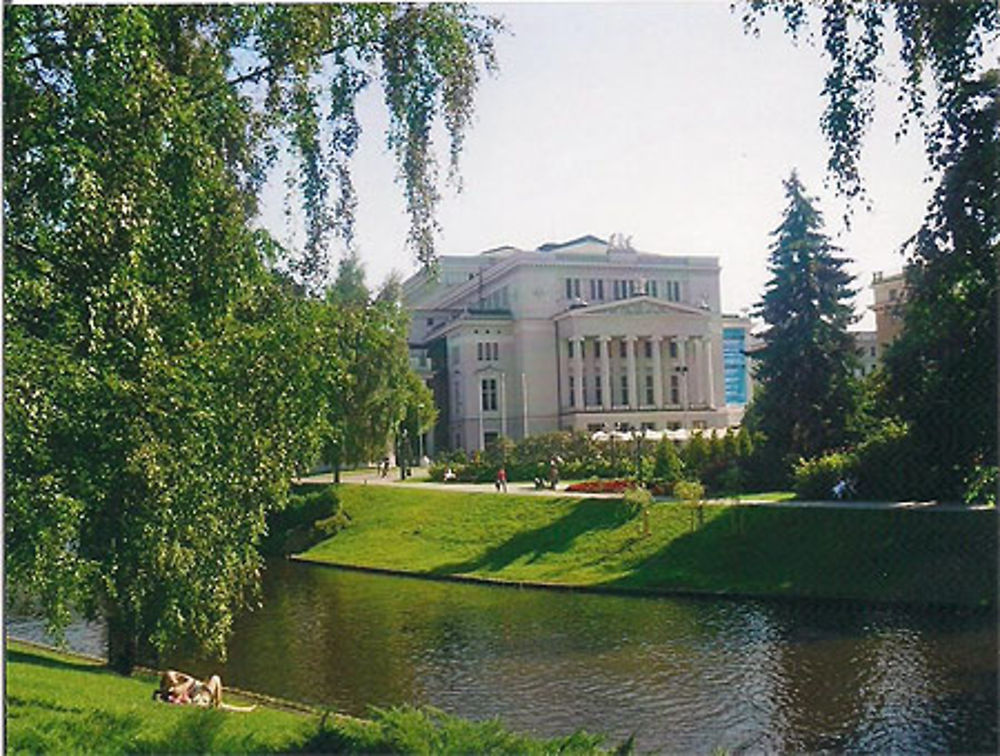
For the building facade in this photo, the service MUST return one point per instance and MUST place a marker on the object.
(586, 335)
(890, 299)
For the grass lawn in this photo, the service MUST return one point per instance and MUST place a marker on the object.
(62, 704)
(915, 556)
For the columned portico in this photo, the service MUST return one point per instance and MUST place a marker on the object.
(630, 366)
(579, 400)
(682, 369)
(606, 388)
(657, 372)
(709, 372)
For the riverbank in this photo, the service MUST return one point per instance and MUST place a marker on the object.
(919, 556)
(61, 703)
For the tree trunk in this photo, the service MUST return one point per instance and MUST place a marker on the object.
(123, 644)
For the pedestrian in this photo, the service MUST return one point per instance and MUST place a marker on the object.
(502, 480)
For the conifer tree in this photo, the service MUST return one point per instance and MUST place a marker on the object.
(667, 464)
(805, 368)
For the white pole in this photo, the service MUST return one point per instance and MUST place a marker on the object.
(503, 405)
(482, 438)
(524, 401)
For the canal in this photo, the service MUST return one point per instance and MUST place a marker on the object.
(681, 674)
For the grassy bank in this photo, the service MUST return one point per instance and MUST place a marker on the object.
(62, 704)
(911, 556)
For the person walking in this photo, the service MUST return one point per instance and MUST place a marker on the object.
(502, 480)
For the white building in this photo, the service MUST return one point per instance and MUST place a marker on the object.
(586, 335)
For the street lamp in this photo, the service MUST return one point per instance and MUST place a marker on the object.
(420, 432)
(638, 434)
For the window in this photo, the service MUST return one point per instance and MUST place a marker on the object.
(699, 425)
(430, 322)
(677, 291)
(649, 426)
(490, 438)
(487, 351)
(650, 399)
(621, 349)
(872, 351)
(572, 391)
(675, 389)
(583, 349)
(583, 391)
(673, 350)
(597, 348)
(572, 288)
(570, 342)
(648, 346)
(892, 295)
(674, 425)
(631, 288)
(489, 394)
(596, 290)
(598, 396)
(624, 384)
(651, 288)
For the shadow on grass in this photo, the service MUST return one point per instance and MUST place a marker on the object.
(587, 516)
(197, 732)
(21, 657)
(913, 557)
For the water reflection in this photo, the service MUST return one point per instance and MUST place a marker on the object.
(684, 675)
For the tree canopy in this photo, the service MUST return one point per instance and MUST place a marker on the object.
(805, 365)
(162, 384)
(941, 45)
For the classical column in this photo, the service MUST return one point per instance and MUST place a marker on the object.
(657, 372)
(632, 383)
(709, 372)
(683, 372)
(694, 372)
(580, 402)
(606, 388)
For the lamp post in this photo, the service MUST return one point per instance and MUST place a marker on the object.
(682, 371)
(638, 434)
(402, 454)
(420, 433)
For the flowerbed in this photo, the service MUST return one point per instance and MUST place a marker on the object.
(601, 486)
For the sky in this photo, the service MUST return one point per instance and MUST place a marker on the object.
(663, 121)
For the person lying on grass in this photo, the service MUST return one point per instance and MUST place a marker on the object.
(178, 688)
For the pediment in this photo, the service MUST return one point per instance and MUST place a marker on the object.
(636, 306)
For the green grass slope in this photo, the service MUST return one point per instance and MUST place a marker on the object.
(62, 704)
(912, 556)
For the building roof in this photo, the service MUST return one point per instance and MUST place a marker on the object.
(553, 246)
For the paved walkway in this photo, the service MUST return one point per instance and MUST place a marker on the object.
(371, 477)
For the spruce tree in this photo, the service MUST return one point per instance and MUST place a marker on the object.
(807, 391)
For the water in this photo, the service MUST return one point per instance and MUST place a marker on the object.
(682, 674)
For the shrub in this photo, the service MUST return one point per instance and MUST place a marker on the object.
(690, 491)
(636, 500)
(981, 487)
(307, 519)
(888, 468)
(815, 478)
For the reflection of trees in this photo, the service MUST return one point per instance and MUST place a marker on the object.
(696, 674)
(882, 680)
